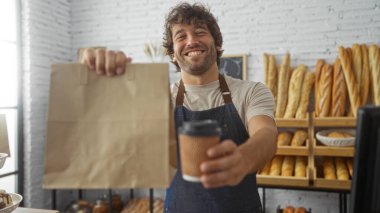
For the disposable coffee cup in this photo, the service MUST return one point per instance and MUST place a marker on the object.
(195, 138)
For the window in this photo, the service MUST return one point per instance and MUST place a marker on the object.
(9, 90)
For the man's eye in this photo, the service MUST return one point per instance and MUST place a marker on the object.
(180, 37)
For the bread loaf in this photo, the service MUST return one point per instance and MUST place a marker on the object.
(338, 134)
(266, 169)
(328, 168)
(288, 209)
(284, 138)
(287, 167)
(365, 82)
(357, 64)
(349, 166)
(305, 95)
(294, 93)
(282, 89)
(299, 138)
(339, 91)
(341, 169)
(349, 76)
(300, 210)
(317, 94)
(374, 61)
(325, 88)
(300, 167)
(272, 76)
(266, 67)
(275, 167)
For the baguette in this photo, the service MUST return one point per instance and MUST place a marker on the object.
(349, 58)
(266, 67)
(349, 166)
(318, 71)
(349, 76)
(275, 166)
(374, 60)
(294, 93)
(305, 95)
(288, 209)
(328, 168)
(300, 210)
(325, 89)
(365, 76)
(341, 169)
(300, 167)
(357, 64)
(266, 169)
(272, 76)
(282, 89)
(339, 91)
(287, 167)
(299, 138)
(284, 138)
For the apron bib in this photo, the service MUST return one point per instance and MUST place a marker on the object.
(189, 197)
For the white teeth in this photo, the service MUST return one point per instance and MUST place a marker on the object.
(194, 53)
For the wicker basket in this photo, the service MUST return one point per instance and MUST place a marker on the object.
(329, 141)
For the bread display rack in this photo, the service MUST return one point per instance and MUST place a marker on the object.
(312, 150)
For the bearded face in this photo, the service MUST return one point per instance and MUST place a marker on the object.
(194, 48)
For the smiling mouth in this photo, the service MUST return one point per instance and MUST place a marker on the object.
(195, 53)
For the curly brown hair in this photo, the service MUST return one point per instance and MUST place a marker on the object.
(196, 14)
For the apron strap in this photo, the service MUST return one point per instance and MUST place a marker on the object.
(180, 94)
(223, 87)
(225, 90)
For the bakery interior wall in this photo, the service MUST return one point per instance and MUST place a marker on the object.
(54, 30)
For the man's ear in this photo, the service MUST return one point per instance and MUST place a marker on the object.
(174, 59)
(218, 48)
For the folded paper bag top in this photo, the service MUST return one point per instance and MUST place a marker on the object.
(108, 132)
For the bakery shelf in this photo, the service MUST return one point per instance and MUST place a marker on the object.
(338, 151)
(321, 183)
(294, 150)
(292, 122)
(334, 121)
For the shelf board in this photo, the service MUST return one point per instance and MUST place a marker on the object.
(334, 122)
(268, 180)
(335, 151)
(332, 184)
(294, 150)
(291, 150)
(284, 122)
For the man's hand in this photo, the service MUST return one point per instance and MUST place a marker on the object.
(105, 62)
(227, 167)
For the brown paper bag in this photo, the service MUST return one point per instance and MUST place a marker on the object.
(4, 146)
(108, 132)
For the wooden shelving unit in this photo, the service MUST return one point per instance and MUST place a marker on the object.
(313, 149)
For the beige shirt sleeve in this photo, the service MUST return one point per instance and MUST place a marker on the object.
(260, 101)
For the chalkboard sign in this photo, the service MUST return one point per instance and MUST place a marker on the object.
(234, 66)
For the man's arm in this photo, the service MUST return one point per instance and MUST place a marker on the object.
(261, 145)
(231, 163)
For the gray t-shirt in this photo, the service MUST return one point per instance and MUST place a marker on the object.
(250, 98)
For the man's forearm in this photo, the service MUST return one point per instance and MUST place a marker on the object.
(259, 148)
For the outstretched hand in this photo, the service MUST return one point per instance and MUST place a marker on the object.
(105, 62)
(227, 167)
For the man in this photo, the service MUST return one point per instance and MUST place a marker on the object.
(243, 109)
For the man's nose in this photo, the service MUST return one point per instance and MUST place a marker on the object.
(192, 40)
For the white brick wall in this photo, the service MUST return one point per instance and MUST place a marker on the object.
(46, 28)
(309, 30)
